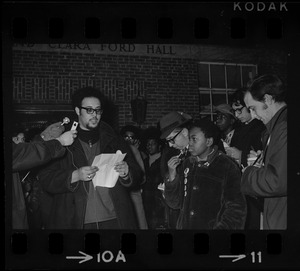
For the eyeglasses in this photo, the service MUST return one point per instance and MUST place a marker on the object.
(91, 111)
(239, 110)
(220, 117)
(172, 140)
(129, 137)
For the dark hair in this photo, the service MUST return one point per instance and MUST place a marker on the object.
(17, 129)
(208, 128)
(85, 92)
(267, 84)
(151, 133)
(238, 97)
(130, 128)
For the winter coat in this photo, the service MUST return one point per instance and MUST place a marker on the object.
(270, 180)
(247, 137)
(213, 199)
(69, 201)
(167, 154)
(27, 156)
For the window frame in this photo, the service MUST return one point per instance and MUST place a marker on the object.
(227, 91)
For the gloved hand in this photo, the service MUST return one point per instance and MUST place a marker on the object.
(53, 131)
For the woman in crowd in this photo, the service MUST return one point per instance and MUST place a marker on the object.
(131, 135)
(155, 207)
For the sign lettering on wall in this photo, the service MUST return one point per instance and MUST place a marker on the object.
(37, 89)
(153, 50)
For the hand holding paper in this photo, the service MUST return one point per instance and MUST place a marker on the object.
(107, 175)
(85, 174)
(122, 169)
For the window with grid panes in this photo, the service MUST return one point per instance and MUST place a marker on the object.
(218, 80)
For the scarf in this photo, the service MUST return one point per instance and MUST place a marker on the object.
(88, 136)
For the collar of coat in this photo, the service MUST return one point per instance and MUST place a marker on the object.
(209, 160)
(278, 117)
(106, 135)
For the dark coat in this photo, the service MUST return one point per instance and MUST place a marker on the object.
(270, 180)
(213, 200)
(248, 136)
(69, 200)
(153, 175)
(153, 200)
(25, 157)
(166, 155)
(245, 138)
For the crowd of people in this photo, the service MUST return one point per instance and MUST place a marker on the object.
(186, 173)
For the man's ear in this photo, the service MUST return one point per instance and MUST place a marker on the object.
(268, 99)
(77, 110)
(209, 141)
(185, 132)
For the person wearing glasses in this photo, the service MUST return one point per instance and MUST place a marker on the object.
(207, 186)
(175, 133)
(247, 138)
(76, 203)
(248, 135)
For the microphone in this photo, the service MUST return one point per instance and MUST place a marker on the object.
(66, 120)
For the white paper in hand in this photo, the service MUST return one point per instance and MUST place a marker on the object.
(225, 144)
(106, 176)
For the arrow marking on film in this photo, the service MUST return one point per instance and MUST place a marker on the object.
(84, 258)
(237, 257)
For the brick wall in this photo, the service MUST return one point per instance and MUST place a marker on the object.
(168, 84)
(51, 77)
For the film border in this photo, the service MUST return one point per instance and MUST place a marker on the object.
(183, 32)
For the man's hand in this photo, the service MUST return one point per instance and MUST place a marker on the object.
(172, 165)
(84, 174)
(67, 138)
(53, 131)
(123, 169)
(136, 143)
(255, 158)
(233, 152)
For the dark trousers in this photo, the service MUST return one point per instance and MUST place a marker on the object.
(254, 207)
(105, 225)
(173, 217)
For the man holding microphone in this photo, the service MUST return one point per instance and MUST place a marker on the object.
(26, 156)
